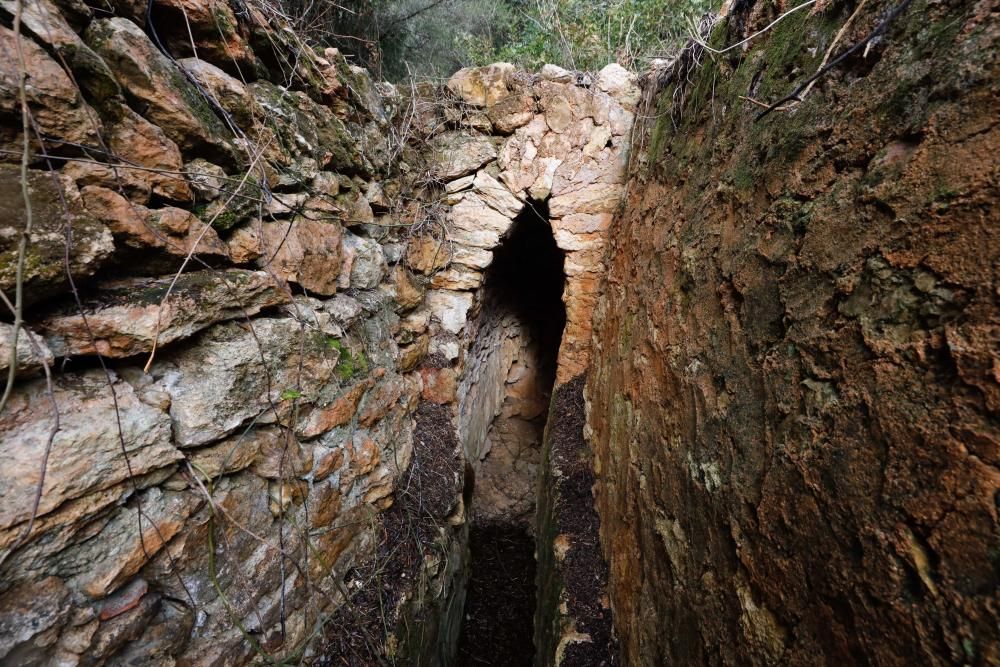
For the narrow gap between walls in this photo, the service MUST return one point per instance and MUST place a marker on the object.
(522, 293)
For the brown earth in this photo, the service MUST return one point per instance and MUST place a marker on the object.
(795, 422)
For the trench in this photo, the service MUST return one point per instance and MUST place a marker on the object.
(521, 323)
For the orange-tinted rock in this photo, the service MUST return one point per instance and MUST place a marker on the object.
(303, 251)
(57, 107)
(439, 385)
(212, 26)
(319, 420)
(427, 254)
(133, 313)
(172, 102)
(791, 371)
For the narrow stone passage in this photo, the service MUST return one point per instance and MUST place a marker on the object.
(523, 297)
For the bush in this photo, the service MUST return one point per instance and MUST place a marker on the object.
(434, 38)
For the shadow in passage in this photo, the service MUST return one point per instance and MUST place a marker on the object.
(522, 290)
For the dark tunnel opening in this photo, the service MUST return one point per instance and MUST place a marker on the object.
(526, 279)
(524, 285)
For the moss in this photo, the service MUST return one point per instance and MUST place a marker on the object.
(225, 220)
(348, 365)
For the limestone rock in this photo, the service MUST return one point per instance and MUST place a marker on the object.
(29, 610)
(208, 27)
(319, 419)
(449, 308)
(44, 264)
(56, 106)
(457, 277)
(482, 86)
(303, 251)
(556, 74)
(594, 199)
(512, 112)
(229, 455)
(86, 453)
(307, 129)
(173, 231)
(459, 184)
(32, 352)
(472, 222)
(128, 317)
(149, 164)
(171, 101)
(363, 263)
(456, 154)
(234, 375)
(280, 455)
(438, 385)
(427, 254)
(245, 243)
(229, 92)
(558, 113)
(408, 293)
(120, 550)
(621, 84)
(496, 195)
(44, 20)
(344, 310)
(411, 355)
(206, 179)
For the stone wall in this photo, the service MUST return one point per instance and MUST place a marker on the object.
(246, 294)
(794, 394)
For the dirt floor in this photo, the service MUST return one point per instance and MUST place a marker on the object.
(500, 603)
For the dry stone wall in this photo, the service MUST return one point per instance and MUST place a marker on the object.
(249, 296)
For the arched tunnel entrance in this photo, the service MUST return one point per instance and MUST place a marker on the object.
(522, 297)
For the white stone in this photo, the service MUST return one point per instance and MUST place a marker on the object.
(592, 198)
(363, 264)
(542, 187)
(496, 195)
(472, 223)
(621, 84)
(459, 184)
(550, 72)
(450, 309)
(477, 258)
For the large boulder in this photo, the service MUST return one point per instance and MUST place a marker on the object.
(57, 108)
(236, 374)
(89, 452)
(52, 199)
(171, 101)
(131, 314)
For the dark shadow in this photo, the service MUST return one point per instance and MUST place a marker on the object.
(500, 602)
(526, 279)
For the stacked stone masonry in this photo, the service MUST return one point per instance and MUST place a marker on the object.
(249, 266)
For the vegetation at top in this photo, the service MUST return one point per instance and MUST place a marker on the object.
(397, 39)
